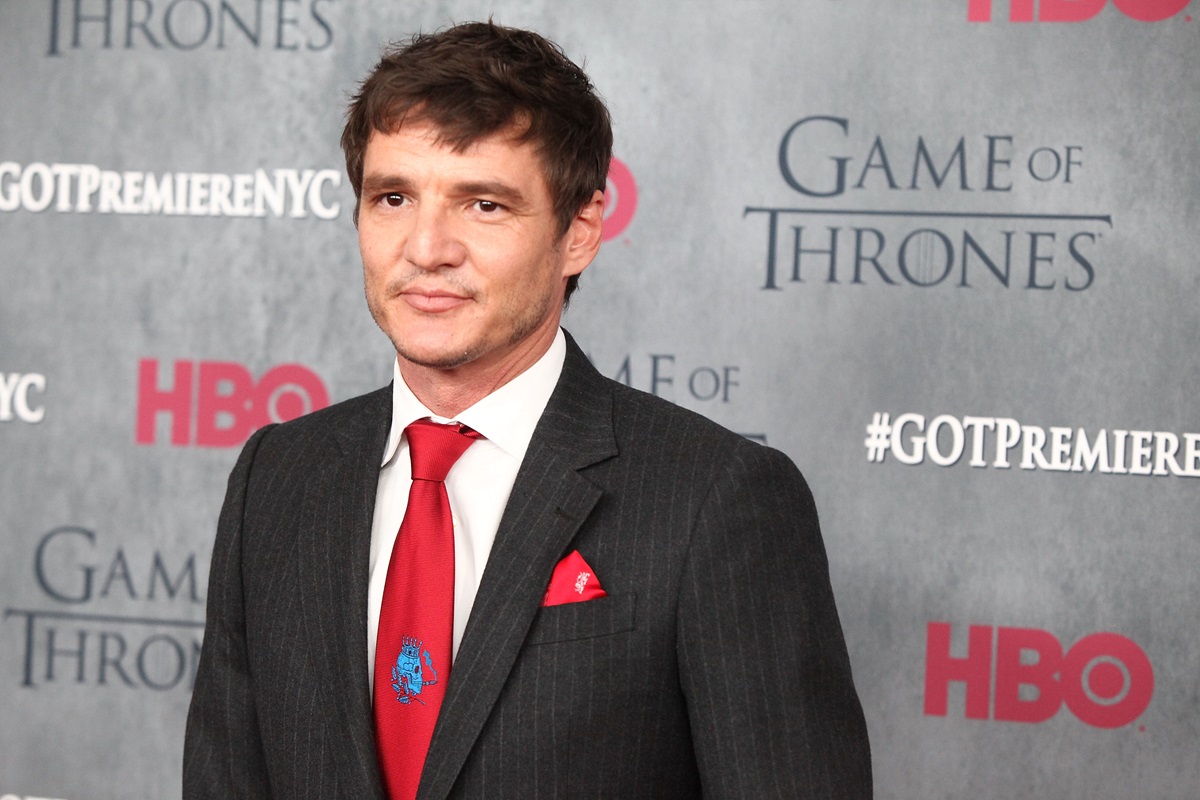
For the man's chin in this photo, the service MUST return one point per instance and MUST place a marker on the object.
(444, 357)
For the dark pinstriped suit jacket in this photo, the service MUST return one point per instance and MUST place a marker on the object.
(715, 667)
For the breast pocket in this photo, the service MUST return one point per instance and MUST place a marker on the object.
(588, 620)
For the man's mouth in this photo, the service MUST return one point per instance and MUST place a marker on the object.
(432, 301)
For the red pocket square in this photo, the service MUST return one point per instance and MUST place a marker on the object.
(572, 582)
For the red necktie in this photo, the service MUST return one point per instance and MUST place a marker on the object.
(413, 645)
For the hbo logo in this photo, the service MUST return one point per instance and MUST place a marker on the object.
(1105, 679)
(219, 404)
(1076, 10)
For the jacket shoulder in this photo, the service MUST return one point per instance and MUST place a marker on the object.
(639, 415)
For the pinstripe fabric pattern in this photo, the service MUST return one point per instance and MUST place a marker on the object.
(714, 668)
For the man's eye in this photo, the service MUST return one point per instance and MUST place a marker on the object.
(487, 206)
(393, 200)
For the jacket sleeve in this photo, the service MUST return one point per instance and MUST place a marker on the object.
(763, 663)
(223, 752)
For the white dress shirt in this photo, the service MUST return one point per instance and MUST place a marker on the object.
(478, 485)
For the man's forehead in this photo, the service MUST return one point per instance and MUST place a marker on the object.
(455, 137)
(381, 151)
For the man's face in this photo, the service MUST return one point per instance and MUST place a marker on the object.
(463, 264)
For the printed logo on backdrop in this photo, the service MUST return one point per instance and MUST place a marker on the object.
(20, 397)
(1074, 10)
(183, 25)
(1003, 442)
(87, 188)
(620, 200)
(77, 639)
(218, 403)
(664, 375)
(886, 238)
(1105, 679)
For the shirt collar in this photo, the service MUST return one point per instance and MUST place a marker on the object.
(506, 417)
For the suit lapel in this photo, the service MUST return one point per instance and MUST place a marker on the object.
(334, 556)
(549, 502)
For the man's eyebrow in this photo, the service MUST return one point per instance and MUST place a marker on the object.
(505, 193)
(378, 182)
(500, 191)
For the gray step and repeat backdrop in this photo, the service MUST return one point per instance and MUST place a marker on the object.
(941, 253)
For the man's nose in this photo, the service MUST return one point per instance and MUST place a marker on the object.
(434, 240)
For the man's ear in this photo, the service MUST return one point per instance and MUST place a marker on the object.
(582, 239)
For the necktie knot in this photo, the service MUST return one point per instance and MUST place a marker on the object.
(434, 448)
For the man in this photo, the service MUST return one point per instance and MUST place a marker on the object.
(637, 603)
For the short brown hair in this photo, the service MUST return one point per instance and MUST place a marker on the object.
(477, 79)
